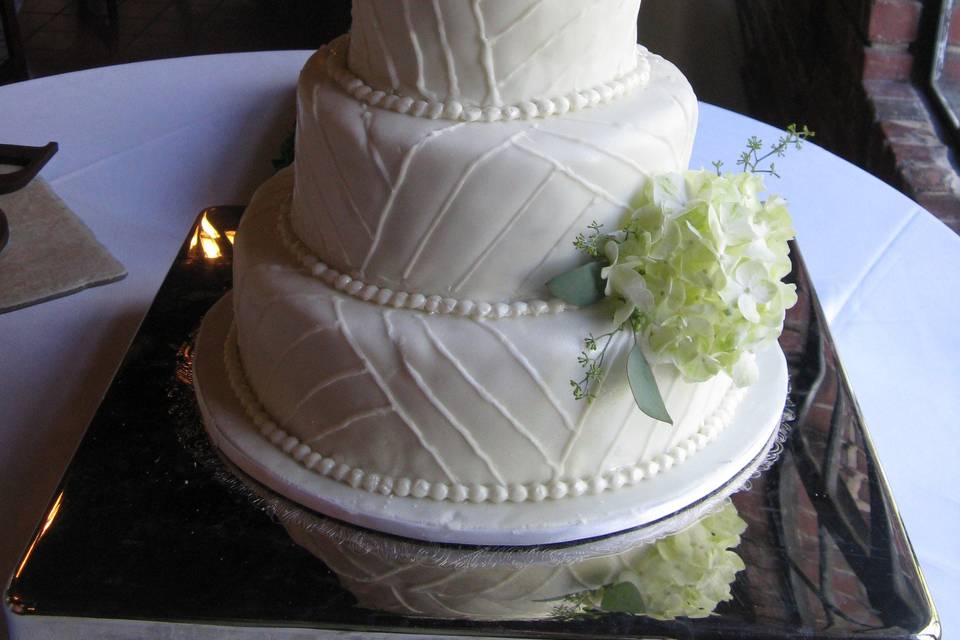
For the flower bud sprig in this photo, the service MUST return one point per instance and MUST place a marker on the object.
(588, 242)
(751, 160)
(591, 359)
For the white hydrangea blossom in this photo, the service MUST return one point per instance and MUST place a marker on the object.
(686, 574)
(702, 259)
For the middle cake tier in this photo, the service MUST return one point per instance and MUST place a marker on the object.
(481, 211)
(402, 402)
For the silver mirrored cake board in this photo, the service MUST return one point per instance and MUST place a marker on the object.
(150, 535)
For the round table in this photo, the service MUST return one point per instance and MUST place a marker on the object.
(144, 147)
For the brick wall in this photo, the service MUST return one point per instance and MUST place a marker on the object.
(853, 71)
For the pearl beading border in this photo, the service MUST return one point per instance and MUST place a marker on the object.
(335, 65)
(357, 478)
(432, 304)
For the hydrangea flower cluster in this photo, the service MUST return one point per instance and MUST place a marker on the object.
(686, 574)
(697, 270)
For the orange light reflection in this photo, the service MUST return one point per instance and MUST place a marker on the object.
(54, 510)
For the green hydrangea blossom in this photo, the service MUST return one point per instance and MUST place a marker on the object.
(707, 257)
(686, 574)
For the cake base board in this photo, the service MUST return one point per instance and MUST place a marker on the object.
(744, 443)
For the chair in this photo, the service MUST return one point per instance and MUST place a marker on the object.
(14, 68)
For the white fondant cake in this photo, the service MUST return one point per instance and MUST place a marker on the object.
(393, 330)
(453, 407)
(481, 211)
(492, 53)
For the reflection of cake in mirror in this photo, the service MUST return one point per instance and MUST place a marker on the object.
(686, 574)
(393, 335)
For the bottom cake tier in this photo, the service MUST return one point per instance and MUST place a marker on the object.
(445, 408)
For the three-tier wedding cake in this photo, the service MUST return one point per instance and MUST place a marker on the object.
(393, 345)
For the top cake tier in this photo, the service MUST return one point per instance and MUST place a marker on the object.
(492, 53)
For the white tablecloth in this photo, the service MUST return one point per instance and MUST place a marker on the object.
(145, 146)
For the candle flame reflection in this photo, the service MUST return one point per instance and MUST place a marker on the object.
(206, 236)
(47, 523)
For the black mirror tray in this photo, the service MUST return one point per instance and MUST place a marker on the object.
(150, 534)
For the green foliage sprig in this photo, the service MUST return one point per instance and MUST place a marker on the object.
(286, 152)
(751, 160)
(591, 359)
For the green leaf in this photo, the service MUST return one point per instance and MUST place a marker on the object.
(287, 151)
(581, 287)
(644, 386)
(623, 597)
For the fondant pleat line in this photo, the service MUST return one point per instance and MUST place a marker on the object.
(529, 11)
(347, 191)
(349, 422)
(485, 395)
(325, 246)
(319, 387)
(328, 212)
(398, 184)
(453, 86)
(367, 118)
(686, 116)
(437, 403)
(387, 56)
(270, 378)
(504, 582)
(679, 419)
(619, 157)
(421, 83)
(595, 189)
(364, 572)
(450, 611)
(600, 387)
(439, 582)
(531, 371)
(504, 232)
(392, 572)
(385, 389)
(631, 411)
(486, 57)
(571, 571)
(674, 153)
(239, 280)
(403, 601)
(576, 222)
(543, 46)
(268, 305)
(454, 193)
(653, 433)
(560, 78)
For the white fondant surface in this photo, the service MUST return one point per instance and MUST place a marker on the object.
(418, 587)
(491, 52)
(483, 211)
(400, 401)
(336, 54)
(745, 440)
